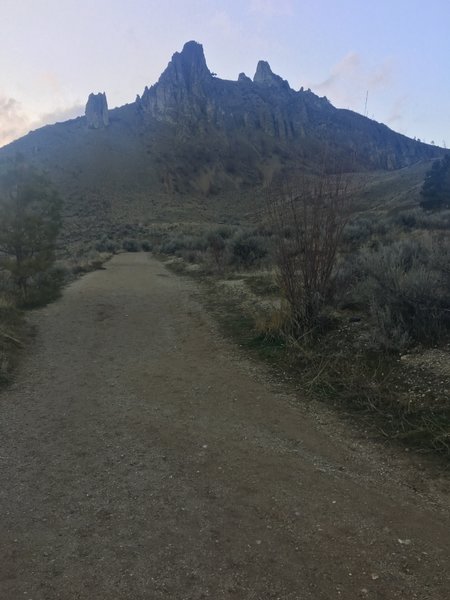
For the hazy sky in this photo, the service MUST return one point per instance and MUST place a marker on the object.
(53, 53)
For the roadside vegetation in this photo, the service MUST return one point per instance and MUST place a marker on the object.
(29, 224)
(31, 272)
(351, 304)
(36, 260)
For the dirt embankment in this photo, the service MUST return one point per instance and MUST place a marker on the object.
(142, 457)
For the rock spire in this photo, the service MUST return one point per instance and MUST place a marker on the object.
(97, 111)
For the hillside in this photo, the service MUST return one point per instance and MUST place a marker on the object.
(196, 147)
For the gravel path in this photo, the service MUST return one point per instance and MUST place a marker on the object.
(141, 457)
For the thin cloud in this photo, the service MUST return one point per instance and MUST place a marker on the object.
(344, 70)
(351, 84)
(350, 79)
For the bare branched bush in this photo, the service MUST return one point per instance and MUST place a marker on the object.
(309, 215)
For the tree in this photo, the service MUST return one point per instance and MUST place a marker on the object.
(436, 187)
(30, 219)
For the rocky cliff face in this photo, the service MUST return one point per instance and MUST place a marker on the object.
(189, 96)
(96, 112)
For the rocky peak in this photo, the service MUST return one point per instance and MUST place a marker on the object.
(265, 76)
(243, 78)
(187, 67)
(182, 89)
(97, 111)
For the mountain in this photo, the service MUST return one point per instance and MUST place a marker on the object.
(194, 146)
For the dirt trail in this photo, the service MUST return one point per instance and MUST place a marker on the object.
(141, 457)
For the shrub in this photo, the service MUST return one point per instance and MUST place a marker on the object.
(439, 220)
(106, 244)
(224, 231)
(247, 251)
(357, 231)
(407, 289)
(130, 245)
(30, 220)
(408, 219)
(417, 219)
(316, 211)
(146, 246)
(45, 287)
(111, 246)
(217, 247)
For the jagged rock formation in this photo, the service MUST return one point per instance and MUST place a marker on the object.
(243, 78)
(96, 112)
(188, 95)
(193, 135)
(265, 76)
(182, 90)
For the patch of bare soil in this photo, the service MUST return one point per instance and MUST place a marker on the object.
(143, 457)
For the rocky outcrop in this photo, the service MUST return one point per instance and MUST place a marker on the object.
(267, 110)
(265, 76)
(182, 89)
(243, 78)
(96, 112)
